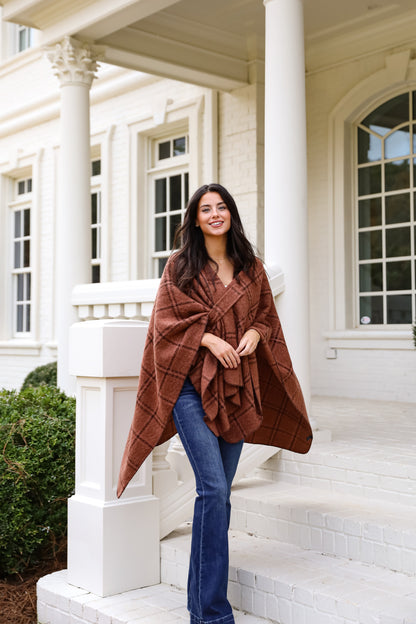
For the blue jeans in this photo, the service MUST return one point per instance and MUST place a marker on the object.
(214, 462)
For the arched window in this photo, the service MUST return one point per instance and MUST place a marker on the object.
(386, 213)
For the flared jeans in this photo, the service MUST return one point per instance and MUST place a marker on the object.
(214, 462)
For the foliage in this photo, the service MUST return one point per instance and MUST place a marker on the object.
(45, 374)
(37, 442)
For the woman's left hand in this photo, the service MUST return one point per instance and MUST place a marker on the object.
(248, 342)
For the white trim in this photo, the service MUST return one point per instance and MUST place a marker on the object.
(398, 339)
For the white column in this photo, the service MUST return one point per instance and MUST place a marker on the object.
(74, 64)
(286, 228)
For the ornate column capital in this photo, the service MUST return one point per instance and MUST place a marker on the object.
(73, 62)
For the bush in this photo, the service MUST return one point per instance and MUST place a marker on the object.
(37, 442)
(42, 375)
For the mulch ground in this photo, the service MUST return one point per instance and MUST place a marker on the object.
(18, 592)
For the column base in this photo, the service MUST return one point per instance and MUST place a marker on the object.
(113, 547)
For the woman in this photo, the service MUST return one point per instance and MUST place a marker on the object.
(216, 370)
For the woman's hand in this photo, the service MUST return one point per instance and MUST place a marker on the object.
(222, 350)
(248, 342)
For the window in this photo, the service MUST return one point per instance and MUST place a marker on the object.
(96, 221)
(21, 273)
(24, 38)
(386, 213)
(170, 193)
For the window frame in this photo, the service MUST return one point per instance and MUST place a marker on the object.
(95, 186)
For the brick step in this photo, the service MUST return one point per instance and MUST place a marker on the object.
(288, 585)
(372, 532)
(363, 470)
(61, 603)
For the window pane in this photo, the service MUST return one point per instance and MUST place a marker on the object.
(17, 224)
(398, 242)
(95, 278)
(388, 115)
(27, 328)
(397, 175)
(17, 258)
(399, 309)
(26, 253)
(160, 195)
(369, 212)
(175, 188)
(29, 185)
(179, 146)
(370, 245)
(164, 150)
(397, 144)
(94, 243)
(175, 221)
(21, 187)
(20, 287)
(161, 265)
(369, 147)
(371, 310)
(19, 318)
(186, 198)
(28, 286)
(96, 168)
(94, 208)
(398, 208)
(160, 234)
(369, 180)
(27, 222)
(371, 277)
(399, 275)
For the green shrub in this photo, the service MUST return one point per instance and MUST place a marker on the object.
(37, 461)
(42, 375)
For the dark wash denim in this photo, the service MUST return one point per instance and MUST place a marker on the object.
(214, 462)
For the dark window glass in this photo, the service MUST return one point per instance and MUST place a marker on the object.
(369, 180)
(388, 115)
(20, 287)
(27, 317)
(397, 144)
(369, 147)
(94, 243)
(175, 221)
(160, 234)
(160, 192)
(369, 212)
(27, 222)
(19, 318)
(179, 146)
(26, 253)
(29, 185)
(17, 224)
(398, 242)
(397, 175)
(161, 265)
(186, 188)
(164, 150)
(175, 187)
(94, 208)
(95, 277)
(371, 277)
(399, 309)
(28, 287)
(96, 168)
(371, 310)
(399, 275)
(370, 245)
(21, 187)
(398, 208)
(17, 255)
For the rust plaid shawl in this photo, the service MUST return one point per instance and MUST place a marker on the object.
(260, 401)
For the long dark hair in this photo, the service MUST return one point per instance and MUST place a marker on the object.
(193, 256)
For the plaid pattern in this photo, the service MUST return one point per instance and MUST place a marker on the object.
(260, 401)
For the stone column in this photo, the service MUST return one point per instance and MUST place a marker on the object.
(74, 63)
(286, 226)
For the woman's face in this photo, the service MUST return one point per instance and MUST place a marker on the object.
(213, 216)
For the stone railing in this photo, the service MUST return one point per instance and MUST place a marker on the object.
(113, 544)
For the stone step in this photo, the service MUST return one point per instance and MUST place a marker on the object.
(372, 532)
(288, 585)
(363, 470)
(61, 603)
